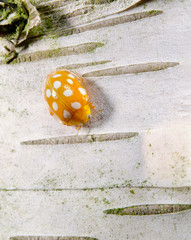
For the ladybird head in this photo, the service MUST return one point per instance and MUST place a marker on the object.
(82, 115)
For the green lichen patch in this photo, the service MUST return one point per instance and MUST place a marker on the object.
(7, 50)
(17, 17)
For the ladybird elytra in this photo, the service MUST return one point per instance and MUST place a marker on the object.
(66, 98)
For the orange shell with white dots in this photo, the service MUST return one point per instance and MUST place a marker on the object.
(67, 100)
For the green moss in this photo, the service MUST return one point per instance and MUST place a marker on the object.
(132, 191)
(144, 182)
(16, 23)
(4, 190)
(183, 207)
(4, 12)
(106, 201)
(138, 165)
(98, 45)
(117, 211)
(101, 1)
(152, 12)
(11, 109)
(93, 138)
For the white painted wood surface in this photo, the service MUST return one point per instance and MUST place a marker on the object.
(62, 190)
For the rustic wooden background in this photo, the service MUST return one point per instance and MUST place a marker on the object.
(136, 60)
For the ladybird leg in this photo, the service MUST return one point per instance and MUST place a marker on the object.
(51, 112)
(91, 105)
(97, 112)
(78, 129)
(67, 123)
(81, 80)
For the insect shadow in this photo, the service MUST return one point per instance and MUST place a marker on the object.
(103, 106)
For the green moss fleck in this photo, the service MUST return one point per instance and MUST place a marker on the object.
(132, 191)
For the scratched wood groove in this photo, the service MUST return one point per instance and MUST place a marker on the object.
(151, 209)
(52, 238)
(131, 69)
(61, 14)
(129, 176)
(81, 139)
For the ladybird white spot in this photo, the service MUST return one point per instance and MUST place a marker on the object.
(71, 75)
(76, 105)
(54, 94)
(68, 93)
(57, 75)
(55, 106)
(69, 81)
(57, 84)
(48, 93)
(67, 114)
(82, 90)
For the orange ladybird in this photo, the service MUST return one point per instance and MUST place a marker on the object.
(66, 98)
